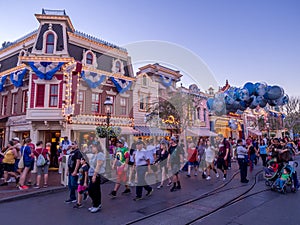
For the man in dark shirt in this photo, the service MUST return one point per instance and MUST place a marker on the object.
(73, 168)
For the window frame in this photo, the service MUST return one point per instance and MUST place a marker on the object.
(89, 58)
(81, 101)
(4, 105)
(14, 103)
(53, 95)
(37, 103)
(48, 43)
(96, 102)
(24, 101)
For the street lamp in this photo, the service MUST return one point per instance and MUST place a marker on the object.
(107, 104)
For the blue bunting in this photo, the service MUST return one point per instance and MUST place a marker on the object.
(2, 82)
(166, 81)
(45, 70)
(20, 74)
(91, 83)
(121, 85)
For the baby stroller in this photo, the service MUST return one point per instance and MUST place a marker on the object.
(285, 178)
(271, 172)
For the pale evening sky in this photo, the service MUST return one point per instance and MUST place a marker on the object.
(241, 41)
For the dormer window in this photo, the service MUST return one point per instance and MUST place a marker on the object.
(118, 67)
(89, 58)
(50, 43)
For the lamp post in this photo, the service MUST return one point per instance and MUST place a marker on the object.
(107, 104)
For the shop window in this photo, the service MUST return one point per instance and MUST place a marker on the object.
(53, 96)
(40, 95)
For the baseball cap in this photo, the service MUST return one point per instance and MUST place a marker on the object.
(164, 141)
(173, 138)
(121, 141)
(140, 142)
(16, 139)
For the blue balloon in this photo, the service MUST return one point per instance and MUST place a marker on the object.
(250, 87)
(243, 94)
(210, 103)
(254, 103)
(260, 89)
(274, 93)
(272, 102)
(261, 101)
(283, 100)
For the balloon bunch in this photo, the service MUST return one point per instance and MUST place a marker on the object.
(250, 95)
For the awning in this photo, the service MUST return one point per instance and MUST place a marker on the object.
(128, 130)
(150, 131)
(255, 132)
(199, 131)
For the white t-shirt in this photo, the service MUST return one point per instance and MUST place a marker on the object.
(210, 154)
(141, 157)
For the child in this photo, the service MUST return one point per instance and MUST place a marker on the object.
(271, 169)
(82, 182)
(192, 159)
(282, 179)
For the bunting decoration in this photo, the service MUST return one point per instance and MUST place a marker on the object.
(17, 77)
(166, 81)
(2, 82)
(45, 70)
(121, 85)
(92, 79)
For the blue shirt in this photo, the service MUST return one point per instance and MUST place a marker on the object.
(263, 149)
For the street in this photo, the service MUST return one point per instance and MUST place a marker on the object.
(263, 207)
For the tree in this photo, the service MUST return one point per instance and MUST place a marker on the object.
(292, 110)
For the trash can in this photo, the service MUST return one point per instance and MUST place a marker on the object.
(64, 172)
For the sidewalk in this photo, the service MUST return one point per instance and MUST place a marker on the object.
(11, 192)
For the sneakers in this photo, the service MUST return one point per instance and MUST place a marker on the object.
(23, 187)
(224, 178)
(127, 191)
(45, 186)
(113, 194)
(77, 206)
(173, 188)
(188, 175)
(137, 198)
(95, 209)
(208, 178)
(245, 181)
(195, 174)
(70, 200)
(4, 184)
(159, 186)
(36, 186)
(217, 175)
(149, 193)
(169, 184)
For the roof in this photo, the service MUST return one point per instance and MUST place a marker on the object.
(19, 40)
(54, 12)
(98, 40)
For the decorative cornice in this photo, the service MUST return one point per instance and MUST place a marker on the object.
(46, 59)
(18, 43)
(9, 71)
(115, 75)
(55, 17)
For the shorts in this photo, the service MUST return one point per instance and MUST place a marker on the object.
(81, 189)
(9, 167)
(175, 168)
(121, 174)
(43, 169)
(29, 164)
(222, 164)
(193, 163)
(154, 168)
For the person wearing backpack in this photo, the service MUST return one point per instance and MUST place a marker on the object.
(42, 163)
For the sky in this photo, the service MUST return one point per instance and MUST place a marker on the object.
(238, 40)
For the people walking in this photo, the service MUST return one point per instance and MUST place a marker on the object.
(242, 157)
(162, 162)
(263, 152)
(142, 163)
(96, 170)
(73, 168)
(192, 159)
(42, 168)
(8, 161)
(222, 160)
(210, 154)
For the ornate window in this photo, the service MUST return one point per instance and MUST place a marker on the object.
(53, 96)
(81, 100)
(89, 58)
(40, 95)
(4, 105)
(118, 66)
(95, 103)
(14, 103)
(50, 43)
(24, 100)
(123, 106)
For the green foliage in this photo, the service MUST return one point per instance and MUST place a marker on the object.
(103, 131)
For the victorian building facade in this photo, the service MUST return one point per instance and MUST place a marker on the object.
(54, 81)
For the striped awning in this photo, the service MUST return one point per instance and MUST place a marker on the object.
(129, 130)
(150, 131)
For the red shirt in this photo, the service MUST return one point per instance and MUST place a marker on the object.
(38, 151)
(192, 154)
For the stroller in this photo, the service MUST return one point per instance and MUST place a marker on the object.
(285, 178)
(271, 172)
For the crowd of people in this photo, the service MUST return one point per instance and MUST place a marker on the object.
(130, 167)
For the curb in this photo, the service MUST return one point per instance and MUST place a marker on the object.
(33, 194)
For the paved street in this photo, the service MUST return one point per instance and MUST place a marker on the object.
(263, 208)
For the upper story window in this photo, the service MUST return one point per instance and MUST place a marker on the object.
(95, 102)
(14, 103)
(53, 95)
(144, 80)
(81, 100)
(204, 115)
(4, 105)
(123, 106)
(118, 67)
(144, 102)
(40, 95)
(89, 58)
(24, 100)
(50, 43)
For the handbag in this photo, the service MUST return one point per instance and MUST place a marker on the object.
(21, 162)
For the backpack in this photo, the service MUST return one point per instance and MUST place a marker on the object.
(41, 161)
